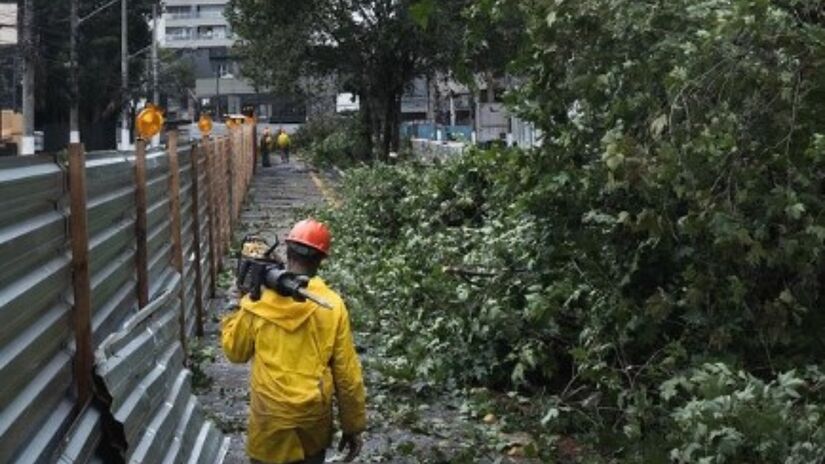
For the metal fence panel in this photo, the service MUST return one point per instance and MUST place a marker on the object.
(111, 205)
(205, 221)
(138, 353)
(188, 240)
(34, 310)
(142, 367)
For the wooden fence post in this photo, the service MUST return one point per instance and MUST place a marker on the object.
(220, 197)
(196, 237)
(177, 240)
(141, 257)
(254, 147)
(226, 201)
(211, 208)
(230, 178)
(81, 281)
(250, 158)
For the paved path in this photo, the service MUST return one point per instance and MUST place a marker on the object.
(275, 197)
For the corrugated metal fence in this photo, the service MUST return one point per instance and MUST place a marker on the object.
(108, 262)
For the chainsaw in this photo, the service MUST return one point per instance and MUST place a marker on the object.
(259, 266)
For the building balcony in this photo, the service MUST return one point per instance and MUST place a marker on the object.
(206, 87)
(197, 42)
(196, 2)
(194, 20)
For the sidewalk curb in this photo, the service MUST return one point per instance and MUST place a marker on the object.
(325, 191)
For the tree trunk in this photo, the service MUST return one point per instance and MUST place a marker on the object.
(396, 125)
(386, 137)
(390, 133)
(366, 129)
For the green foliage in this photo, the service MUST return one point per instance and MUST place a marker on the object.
(494, 37)
(200, 354)
(332, 141)
(720, 416)
(176, 74)
(656, 267)
(319, 128)
(372, 49)
(98, 49)
(445, 266)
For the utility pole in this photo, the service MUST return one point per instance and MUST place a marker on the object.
(125, 138)
(27, 141)
(155, 91)
(75, 21)
(74, 81)
(218, 93)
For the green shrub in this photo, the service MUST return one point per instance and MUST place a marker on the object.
(318, 128)
(673, 218)
(332, 140)
(721, 417)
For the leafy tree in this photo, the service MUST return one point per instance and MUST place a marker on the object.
(371, 48)
(99, 62)
(495, 39)
(656, 268)
(176, 74)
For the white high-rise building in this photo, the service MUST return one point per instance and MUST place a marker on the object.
(195, 24)
(198, 31)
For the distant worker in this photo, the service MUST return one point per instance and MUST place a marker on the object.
(283, 145)
(267, 143)
(301, 354)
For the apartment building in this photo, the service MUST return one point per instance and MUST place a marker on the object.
(194, 24)
(198, 31)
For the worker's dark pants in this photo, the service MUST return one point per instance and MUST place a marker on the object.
(265, 158)
(285, 155)
(317, 459)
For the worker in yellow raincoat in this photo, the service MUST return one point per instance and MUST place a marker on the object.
(283, 145)
(302, 354)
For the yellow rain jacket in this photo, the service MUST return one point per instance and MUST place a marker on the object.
(302, 353)
(283, 140)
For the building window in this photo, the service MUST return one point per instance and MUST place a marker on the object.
(211, 11)
(221, 69)
(179, 12)
(212, 32)
(178, 33)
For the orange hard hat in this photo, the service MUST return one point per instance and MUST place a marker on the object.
(311, 233)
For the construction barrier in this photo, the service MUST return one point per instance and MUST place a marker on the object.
(109, 262)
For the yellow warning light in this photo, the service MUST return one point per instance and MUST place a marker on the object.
(233, 120)
(205, 124)
(149, 121)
